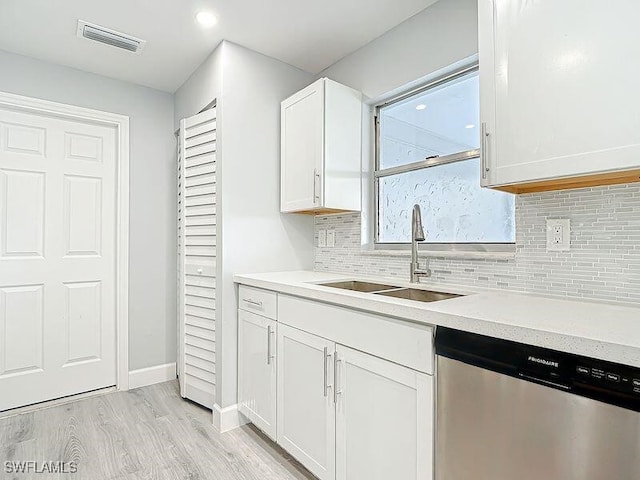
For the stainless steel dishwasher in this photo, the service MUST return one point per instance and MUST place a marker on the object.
(509, 411)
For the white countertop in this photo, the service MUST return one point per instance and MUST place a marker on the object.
(603, 331)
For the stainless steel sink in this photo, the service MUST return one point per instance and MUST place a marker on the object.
(359, 286)
(418, 295)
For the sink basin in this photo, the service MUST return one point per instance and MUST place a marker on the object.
(359, 286)
(418, 295)
(391, 291)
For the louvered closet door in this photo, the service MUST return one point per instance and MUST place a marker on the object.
(197, 257)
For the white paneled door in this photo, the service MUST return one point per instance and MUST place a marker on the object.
(57, 257)
(257, 370)
(306, 400)
(197, 257)
(384, 419)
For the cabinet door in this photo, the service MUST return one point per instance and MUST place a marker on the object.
(257, 370)
(384, 419)
(558, 88)
(302, 144)
(306, 413)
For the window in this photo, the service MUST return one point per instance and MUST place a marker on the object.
(427, 153)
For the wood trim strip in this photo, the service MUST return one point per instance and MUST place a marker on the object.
(600, 179)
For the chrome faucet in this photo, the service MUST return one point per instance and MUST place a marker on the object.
(417, 235)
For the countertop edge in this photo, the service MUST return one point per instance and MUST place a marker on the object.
(402, 309)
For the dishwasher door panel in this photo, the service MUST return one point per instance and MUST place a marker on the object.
(492, 426)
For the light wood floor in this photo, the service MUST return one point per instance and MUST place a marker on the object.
(148, 433)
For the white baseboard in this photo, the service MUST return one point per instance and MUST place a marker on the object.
(228, 418)
(151, 375)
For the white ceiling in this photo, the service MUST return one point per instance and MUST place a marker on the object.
(308, 34)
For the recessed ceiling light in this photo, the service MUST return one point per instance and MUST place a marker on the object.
(206, 19)
(471, 125)
(422, 106)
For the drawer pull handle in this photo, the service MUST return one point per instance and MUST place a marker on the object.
(255, 303)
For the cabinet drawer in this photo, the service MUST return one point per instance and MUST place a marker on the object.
(256, 300)
(396, 340)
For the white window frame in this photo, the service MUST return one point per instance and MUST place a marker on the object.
(379, 173)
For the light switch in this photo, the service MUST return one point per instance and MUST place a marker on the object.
(322, 238)
(331, 238)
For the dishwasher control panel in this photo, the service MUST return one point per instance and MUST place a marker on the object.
(608, 375)
(609, 382)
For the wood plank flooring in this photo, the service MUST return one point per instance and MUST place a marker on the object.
(147, 434)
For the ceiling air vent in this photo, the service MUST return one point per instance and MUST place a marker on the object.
(107, 36)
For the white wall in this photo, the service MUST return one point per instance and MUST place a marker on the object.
(201, 88)
(152, 277)
(252, 234)
(256, 237)
(440, 35)
(425, 46)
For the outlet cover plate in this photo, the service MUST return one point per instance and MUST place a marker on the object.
(558, 234)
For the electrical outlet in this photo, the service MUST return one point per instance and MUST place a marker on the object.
(331, 238)
(322, 238)
(558, 235)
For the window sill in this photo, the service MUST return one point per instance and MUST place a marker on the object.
(442, 254)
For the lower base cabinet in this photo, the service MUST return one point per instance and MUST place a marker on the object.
(257, 370)
(342, 413)
(306, 412)
(384, 419)
(347, 415)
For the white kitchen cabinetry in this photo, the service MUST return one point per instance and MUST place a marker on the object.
(306, 414)
(558, 86)
(353, 390)
(321, 139)
(257, 370)
(384, 419)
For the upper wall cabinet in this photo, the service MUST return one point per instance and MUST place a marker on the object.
(321, 149)
(559, 93)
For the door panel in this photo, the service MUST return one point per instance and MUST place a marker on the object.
(21, 329)
(257, 370)
(197, 257)
(496, 427)
(57, 257)
(384, 419)
(22, 218)
(306, 413)
(82, 219)
(302, 149)
(79, 146)
(558, 110)
(23, 138)
(83, 314)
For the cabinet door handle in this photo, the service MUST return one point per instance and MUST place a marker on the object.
(483, 150)
(316, 181)
(327, 385)
(336, 388)
(268, 344)
(270, 355)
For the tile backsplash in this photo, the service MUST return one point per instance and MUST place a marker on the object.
(603, 263)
